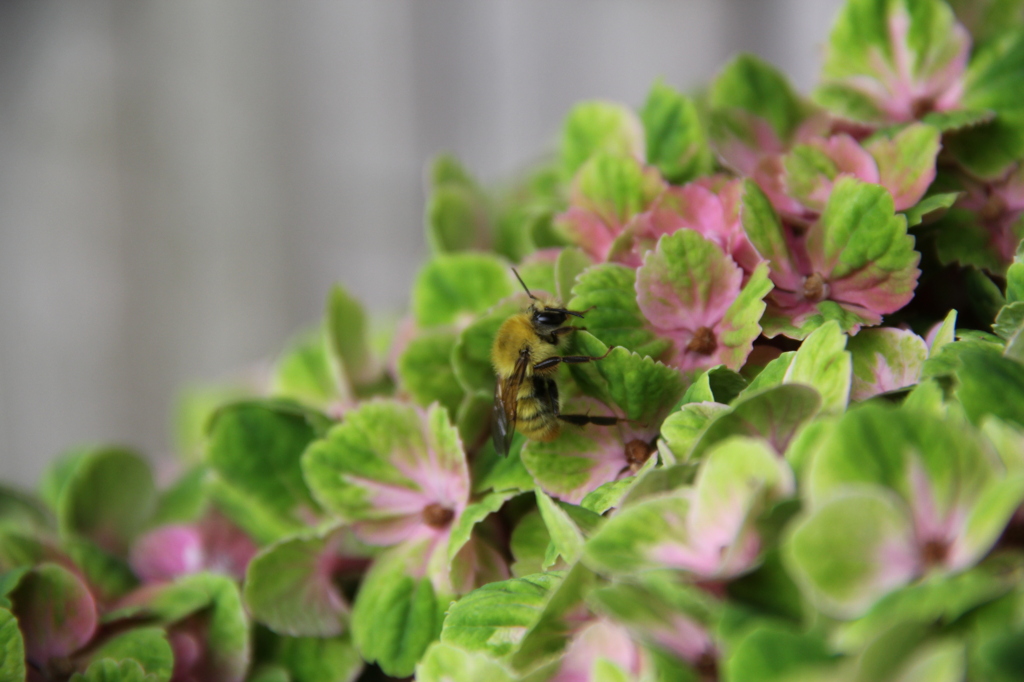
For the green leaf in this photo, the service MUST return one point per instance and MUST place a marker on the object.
(107, 498)
(906, 161)
(260, 522)
(740, 326)
(347, 339)
(937, 601)
(493, 619)
(456, 218)
(769, 589)
(844, 552)
(877, 46)
(315, 659)
(12, 649)
(1015, 278)
(193, 408)
(55, 612)
(21, 510)
(762, 226)
(882, 446)
(773, 374)
(751, 85)
(226, 626)
(396, 614)
(378, 443)
(20, 550)
(988, 150)
(1009, 320)
(727, 495)
(106, 670)
(529, 544)
(999, 658)
(717, 384)
(425, 369)
(303, 373)
(471, 354)
(290, 588)
(550, 631)
(990, 384)
(473, 418)
(146, 646)
(683, 428)
(769, 653)
(643, 388)
(930, 208)
(184, 501)
(570, 264)
(565, 534)
(596, 126)
(471, 516)
(885, 359)
(615, 187)
(994, 77)
(823, 363)
(863, 242)
(269, 673)
(676, 142)
(611, 494)
(946, 333)
(773, 415)
(444, 663)
(108, 576)
(576, 462)
(453, 287)
(993, 511)
(663, 614)
(957, 119)
(492, 471)
(256, 447)
(56, 476)
(608, 292)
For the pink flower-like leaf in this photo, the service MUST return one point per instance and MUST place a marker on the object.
(396, 473)
(56, 613)
(893, 61)
(581, 460)
(854, 264)
(212, 544)
(707, 530)
(690, 292)
(601, 639)
(709, 206)
(607, 192)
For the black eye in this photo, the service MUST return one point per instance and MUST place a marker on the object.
(550, 319)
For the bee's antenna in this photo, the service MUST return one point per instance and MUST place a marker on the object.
(524, 285)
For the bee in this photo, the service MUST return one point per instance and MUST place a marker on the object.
(526, 355)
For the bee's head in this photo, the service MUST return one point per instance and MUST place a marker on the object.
(549, 315)
(546, 316)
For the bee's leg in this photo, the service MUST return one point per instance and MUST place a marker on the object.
(584, 419)
(569, 359)
(552, 337)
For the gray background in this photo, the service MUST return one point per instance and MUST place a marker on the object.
(181, 181)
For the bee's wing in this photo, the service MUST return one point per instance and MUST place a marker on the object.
(506, 404)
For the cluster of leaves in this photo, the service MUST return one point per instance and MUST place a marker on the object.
(795, 491)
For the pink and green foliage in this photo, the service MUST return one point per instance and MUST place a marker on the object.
(894, 61)
(692, 293)
(799, 354)
(854, 264)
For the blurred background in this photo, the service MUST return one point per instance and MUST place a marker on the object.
(181, 182)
